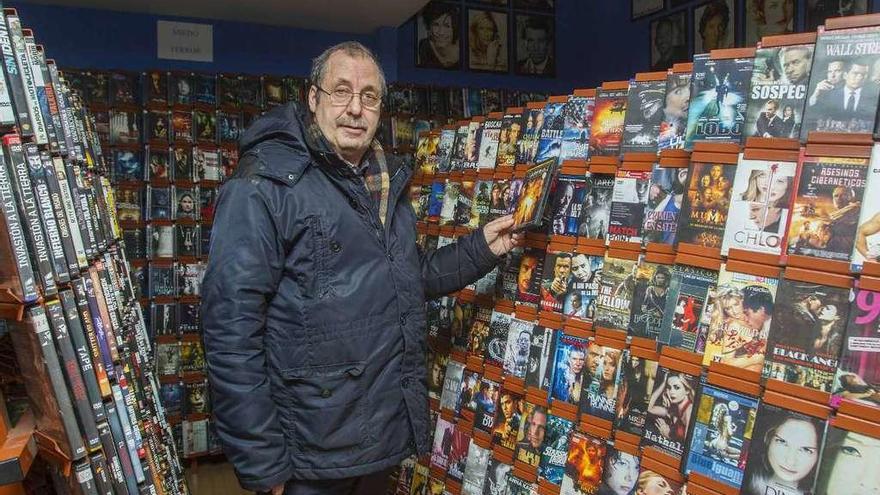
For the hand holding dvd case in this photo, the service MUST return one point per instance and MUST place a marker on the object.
(529, 211)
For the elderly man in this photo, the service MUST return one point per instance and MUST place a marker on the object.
(314, 319)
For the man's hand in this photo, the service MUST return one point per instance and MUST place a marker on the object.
(278, 489)
(499, 237)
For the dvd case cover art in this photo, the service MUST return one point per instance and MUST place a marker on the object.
(516, 355)
(421, 475)
(675, 112)
(475, 470)
(435, 200)
(867, 242)
(597, 206)
(192, 357)
(719, 96)
(783, 455)
(519, 486)
(686, 317)
(161, 241)
(578, 116)
(567, 204)
(445, 147)
(155, 85)
(171, 395)
(451, 385)
(806, 334)
(156, 126)
(532, 121)
(554, 451)
(629, 201)
(858, 372)
(606, 129)
(722, 434)
(704, 212)
(778, 91)
(486, 404)
(570, 369)
(125, 127)
(458, 451)
(620, 473)
(849, 463)
(530, 206)
(652, 480)
(509, 271)
(556, 280)
(479, 332)
(481, 205)
(843, 92)
(129, 204)
(604, 368)
(644, 114)
(489, 140)
(550, 135)
(637, 377)
(759, 206)
(580, 300)
(501, 199)
(497, 474)
(531, 272)
(437, 364)
(584, 465)
(163, 319)
(464, 204)
(188, 317)
(467, 394)
(167, 358)
(826, 208)
(649, 299)
(617, 286)
(542, 352)
(670, 411)
(182, 169)
(472, 146)
(508, 138)
(508, 419)
(450, 202)
(127, 166)
(740, 319)
(496, 344)
(531, 435)
(458, 153)
(443, 434)
(197, 397)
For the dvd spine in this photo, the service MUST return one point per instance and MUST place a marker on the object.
(81, 348)
(127, 430)
(59, 144)
(59, 91)
(102, 478)
(82, 217)
(93, 285)
(64, 226)
(50, 223)
(85, 478)
(122, 451)
(13, 80)
(70, 213)
(13, 23)
(27, 287)
(7, 111)
(128, 398)
(33, 59)
(115, 471)
(85, 296)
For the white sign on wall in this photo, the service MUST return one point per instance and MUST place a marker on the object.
(185, 41)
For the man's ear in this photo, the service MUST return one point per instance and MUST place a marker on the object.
(313, 98)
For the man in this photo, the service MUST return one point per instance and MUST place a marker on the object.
(553, 289)
(796, 63)
(713, 26)
(843, 220)
(855, 99)
(833, 80)
(536, 43)
(528, 449)
(769, 124)
(567, 386)
(757, 308)
(668, 44)
(314, 319)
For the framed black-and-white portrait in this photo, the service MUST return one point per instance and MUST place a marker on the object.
(487, 40)
(669, 41)
(641, 8)
(535, 45)
(438, 40)
(714, 26)
(768, 17)
(819, 10)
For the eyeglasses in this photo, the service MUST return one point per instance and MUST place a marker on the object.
(341, 97)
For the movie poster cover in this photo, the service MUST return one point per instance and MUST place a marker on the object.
(550, 137)
(665, 196)
(458, 452)
(467, 394)
(719, 96)
(472, 145)
(519, 486)
(686, 317)
(500, 199)
(461, 320)
(569, 369)
(806, 334)
(436, 486)
(597, 206)
(479, 332)
(675, 112)
(616, 291)
(511, 128)
(542, 352)
(481, 204)
(531, 272)
(760, 203)
(604, 373)
(648, 478)
(704, 212)
(567, 204)
(486, 404)
(858, 373)
(444, 150)
(628, 203)
(458, 155)
(740, 319)
(437, 364)
(530, 206)
(465, 203)
(508, 419)
(420, 480)
(606, 130)
(443, 434)
(849, 463)
(496, 477)
(584, 286)
(450, 202)
(636, 384)
(532, 432)
(722, 434)
(475, 470)
(867, 245)
(670, 411)
(519, 341)
(451, 385)
(649, 299)
(584, 466)
(555, 449)
(489, 139)
(509, 270)
(644, 113)
(772, 465)
(825, 213)
(497, 342)
(527, 146)
(778, 91)
(578, 114)
(556, 280)
(843, 89)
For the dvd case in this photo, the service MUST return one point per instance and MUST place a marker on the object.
(550, 133)
(849, 463)
(719, 96)
(542, 352)
(604, 372)
(527, 147)
(508, 139)
(556, 280)
(670, 411)
(583, 289)
(532, 433)
(858, 374)
(554, 450)
(578, 117)
(475, 470)
(688, 308)
(867, 241)
(597, 206)
(584, 466)
(536, 188)
(778, 91)
(705, 208)
(617, 285)
(637, 377)
(508, 419)
(570, 369)
(629, 202)
(641, 127)
(673, 126)
(567, 204)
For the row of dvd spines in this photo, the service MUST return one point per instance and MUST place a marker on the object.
(131, 127)
(182, 163)
(183, 202)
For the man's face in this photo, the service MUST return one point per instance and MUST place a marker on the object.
(796, 64)
(537, 425)
(576, 361)
(537, 45)
(595, 358)
(840, 197)
(855, 76)
(563, 268)
(664, 38)
(349, 129)
(526, 268)
(714, 33)
(523, 341)
(770, 109)
(835, 72)
(580, 267)
(755, 318)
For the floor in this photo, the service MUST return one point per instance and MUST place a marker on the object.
(213, 479)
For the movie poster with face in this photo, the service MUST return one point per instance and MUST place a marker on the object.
(451, 385)
(511, 128)
(519, 340)
(671, 410)
(550, 137)
(649, 299)
(628, 204)
(597, 206)
(675, 112)
(662, 210)
(531, 434)
(778, 91)
(617, 287)
(768, 18)
(760, 202)
(532, 122)
(443, 434)
(606, 130)
(686, 317)
(578, 114)
(486, 404)
(567, 204)
(858, 372)
(496, 477)
(784, 453)
(636, 384)
(475, 470)
(508, 418)
(580, 301)
(556, 280)
(554, 450)
(496, 344)
(719, 96)
(705, 209)
(584, 465)
(542, 352)
(641, 126)
(849, 463)
(569, 369)
(604, 365)
(530, 276)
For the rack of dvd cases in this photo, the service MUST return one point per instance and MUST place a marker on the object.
(70, 312)
(698, 310)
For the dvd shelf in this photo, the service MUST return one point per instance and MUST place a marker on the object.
(694, 307)
(75, 333)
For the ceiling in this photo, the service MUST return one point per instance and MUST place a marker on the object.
(349, 16)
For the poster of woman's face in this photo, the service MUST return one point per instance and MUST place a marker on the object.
(437, 36)
(849, 464)
(669, 41)
(819, 10)
(768, 17)
(535, 44)
(487, 40)
(714, 26)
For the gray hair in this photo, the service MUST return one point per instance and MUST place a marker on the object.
(352, 49)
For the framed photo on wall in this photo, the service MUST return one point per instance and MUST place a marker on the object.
(540, 5)
(496, 3)
(438, 41)
(768, 17)
(535, 45)
(669, 41)
(714, 26)
(487, 40)
(641, 8)
(819, 10)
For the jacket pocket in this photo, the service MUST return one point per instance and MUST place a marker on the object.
(328, 406)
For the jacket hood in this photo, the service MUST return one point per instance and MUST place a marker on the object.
(285, 124)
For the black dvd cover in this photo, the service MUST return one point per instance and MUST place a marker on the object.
(644, 113)
(529, 212)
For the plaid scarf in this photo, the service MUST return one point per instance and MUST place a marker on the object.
(373, 169)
